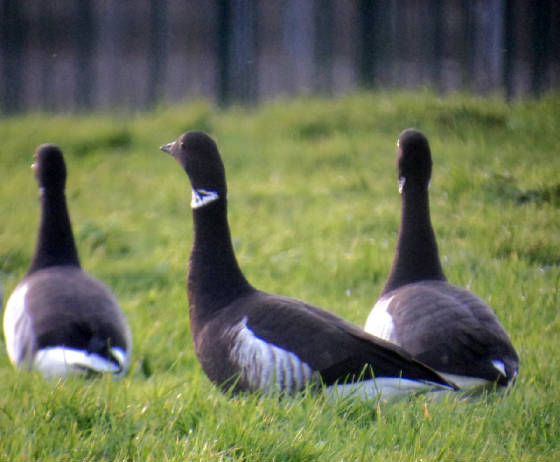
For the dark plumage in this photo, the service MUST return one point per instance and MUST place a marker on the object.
(253, 340)
(447, 327)
(59, 319)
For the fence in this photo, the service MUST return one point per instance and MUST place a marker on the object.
(64, 55)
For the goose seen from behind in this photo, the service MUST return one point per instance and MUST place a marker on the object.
(445, 326)
(248, 340)
(59, 319)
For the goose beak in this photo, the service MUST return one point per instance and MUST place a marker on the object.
(168, 147)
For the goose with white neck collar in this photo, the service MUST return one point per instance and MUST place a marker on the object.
(251, 340)
(59, 319)
(445, 326)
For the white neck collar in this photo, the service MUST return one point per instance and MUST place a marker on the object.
(202, 197)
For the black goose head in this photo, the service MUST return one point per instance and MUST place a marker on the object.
(198, 155)
(49, 168)
(414, 159)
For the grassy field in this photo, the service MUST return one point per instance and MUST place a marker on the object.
(314, 212)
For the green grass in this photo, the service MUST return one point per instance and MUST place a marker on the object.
(314, 212)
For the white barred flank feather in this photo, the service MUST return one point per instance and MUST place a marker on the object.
(266, 366)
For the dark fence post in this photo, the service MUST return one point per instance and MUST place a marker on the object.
(509, 48)
(438, 41)
(375, 42)
(323, 47)
(47, 35)
(488, 45)
(468, 47)
(244, 50)
(297, 41)
(540, 45)
(12, 36)
(157, 57)
(237, 51)
(366, 43)
(223, 38)
(506, 45)
(85, 50)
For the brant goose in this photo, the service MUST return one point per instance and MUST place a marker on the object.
(59, 319)
(248, 340)
(444, 326)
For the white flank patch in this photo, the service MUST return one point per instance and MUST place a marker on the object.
(464, 381)
(17, 325)
(201, 197)
(382, 387)
(380, 323)
(500, 366)
(265, 366)
(62, 361)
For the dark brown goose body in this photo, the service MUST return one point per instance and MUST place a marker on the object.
(59, 319)
(253, 340)
(445, 326)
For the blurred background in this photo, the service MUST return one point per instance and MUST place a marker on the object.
(81, 55)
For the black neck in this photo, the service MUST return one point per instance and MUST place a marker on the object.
(214, 277)
(55, 242)
(416, 257)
